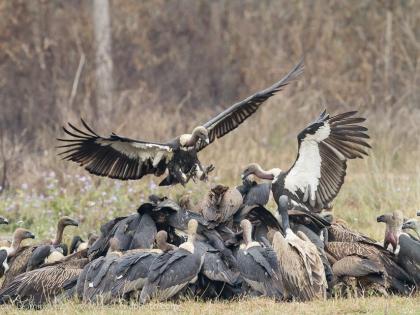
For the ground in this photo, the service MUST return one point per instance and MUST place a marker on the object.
(371, 305)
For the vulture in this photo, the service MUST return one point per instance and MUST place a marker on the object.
(412, 224)
(174, 270)
(338, 231)
(18, 263)
(394, 222)
(360, 274)
(254, 193)
(37, 287)
(3, 220)
(318, 172)
(3, 262)
(396, 279)
(132, 268)
(19, 235)
(45, 254)
(258, 265)
(123, 158)
(78, 244)
(220, 204)
(299, 262)
(408, 249)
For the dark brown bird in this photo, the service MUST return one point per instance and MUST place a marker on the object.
(19, 262)
(396, 279)
(220, 204)
(37, 287)
(124, 158)
(301, 266)
(338, 231)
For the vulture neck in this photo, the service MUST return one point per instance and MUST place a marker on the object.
(59, 236)
(285, 219)
(14, 247)
(189, 244)
(270, 174)
(188, 140)
(247, 235)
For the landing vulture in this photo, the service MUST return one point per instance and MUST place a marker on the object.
(124, 158)
(318, 172)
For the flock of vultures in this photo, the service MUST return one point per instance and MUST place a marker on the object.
(228, 245)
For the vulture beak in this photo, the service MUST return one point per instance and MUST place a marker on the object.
(407, 225)
(30, 235)
(381, 218)
(72, 222)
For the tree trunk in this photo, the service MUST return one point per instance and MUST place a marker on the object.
(104, 82)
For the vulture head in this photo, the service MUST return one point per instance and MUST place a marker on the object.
(20, 235)
(201, 133)
(3, 220)
(62, 223)
(256, 169)
(412, 224)
(394, 222)
(161, 241)
(67, 221)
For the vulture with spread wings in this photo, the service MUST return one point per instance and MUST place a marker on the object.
(124, 158)
(318, 173)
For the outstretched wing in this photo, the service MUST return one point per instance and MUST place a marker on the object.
(232, 117)
(115, 156)
(324, 147)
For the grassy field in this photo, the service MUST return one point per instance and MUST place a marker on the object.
(371, 305)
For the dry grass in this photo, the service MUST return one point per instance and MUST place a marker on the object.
(371, 305)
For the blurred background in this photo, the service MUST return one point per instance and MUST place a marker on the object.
(154, 69)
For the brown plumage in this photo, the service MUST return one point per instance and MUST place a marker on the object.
(397, 279)
(300, 264)
(359, 273)
(18, 262)
(221, 203)
(40, 286)
(301, 267)
(338, 231)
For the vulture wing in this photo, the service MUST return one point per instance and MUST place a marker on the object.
(232, 117)
(115, 156)
(324, 147)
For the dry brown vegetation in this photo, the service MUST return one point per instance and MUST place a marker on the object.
(177, 63)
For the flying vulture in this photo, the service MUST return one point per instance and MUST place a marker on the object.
(123, 158)
(318, 172)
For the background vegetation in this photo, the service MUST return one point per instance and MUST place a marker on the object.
(178, 63)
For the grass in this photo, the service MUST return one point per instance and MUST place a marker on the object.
(370, 305)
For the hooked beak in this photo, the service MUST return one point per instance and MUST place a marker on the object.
(381, 218)
(73, 223)
(407, 225)
(30, 235)
(207, 140)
